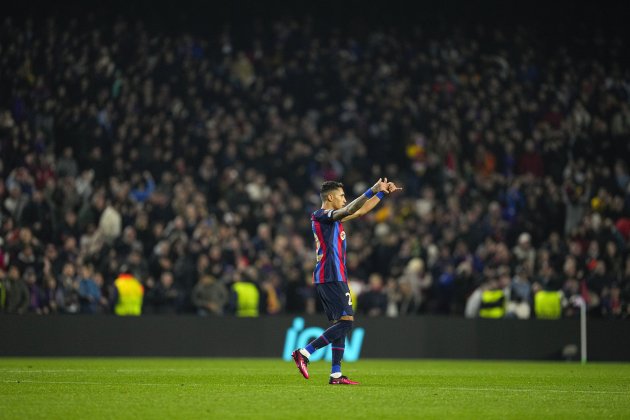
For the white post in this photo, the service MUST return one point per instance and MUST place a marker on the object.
(582, 305)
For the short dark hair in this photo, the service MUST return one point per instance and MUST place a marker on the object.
(327, 187)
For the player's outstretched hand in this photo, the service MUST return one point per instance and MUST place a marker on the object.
(381, 185)
(391, 187)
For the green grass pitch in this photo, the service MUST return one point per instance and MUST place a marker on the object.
(259, 388)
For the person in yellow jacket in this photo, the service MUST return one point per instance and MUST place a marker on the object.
(548, 304)
(246, 297)
(492, 301)
(129, 292)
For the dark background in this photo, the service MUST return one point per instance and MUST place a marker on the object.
(202, 16)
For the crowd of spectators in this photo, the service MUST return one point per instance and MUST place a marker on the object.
(195, 164)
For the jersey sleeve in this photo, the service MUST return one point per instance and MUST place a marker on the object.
(323, 216)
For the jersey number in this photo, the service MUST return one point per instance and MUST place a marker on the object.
(349, 299)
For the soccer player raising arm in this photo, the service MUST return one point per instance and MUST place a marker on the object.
(330, 275)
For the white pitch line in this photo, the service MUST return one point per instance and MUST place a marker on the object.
(18, 381)
(46, 370)
(531, 390)
(104, 371)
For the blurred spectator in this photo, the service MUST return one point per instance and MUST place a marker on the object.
(373, 302)
(519, 292)
(38, 215)
(89, 291)
(614, 306)
(90, 212)
(270, 292)
(66, 164)
(110, 224)
(209, 296)
(49, 304)
(524, 252)
(67, 296)
(598, 284)
(548, 304)
(404, 299)
(36, 294)
(17, 293)
(164, 297)
(144, 188)
(415, 285)
(493, 302)
(245, 297)
(137, 264)
(128, 294)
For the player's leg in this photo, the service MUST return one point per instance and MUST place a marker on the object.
(335, 334)
(338, 310)
(339, 344)
(330, 294)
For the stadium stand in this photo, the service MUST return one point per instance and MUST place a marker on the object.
(195, 161)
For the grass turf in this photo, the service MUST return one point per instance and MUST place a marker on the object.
(220, 388)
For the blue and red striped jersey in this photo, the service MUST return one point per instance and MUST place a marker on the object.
(330, 241)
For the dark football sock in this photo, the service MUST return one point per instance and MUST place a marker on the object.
(338, 346)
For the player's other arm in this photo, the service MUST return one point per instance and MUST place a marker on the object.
(358, 202)
(371, 203)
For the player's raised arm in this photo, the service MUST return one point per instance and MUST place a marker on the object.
(372, 202)
(350, 209)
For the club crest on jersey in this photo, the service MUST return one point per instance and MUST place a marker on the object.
(342, 235)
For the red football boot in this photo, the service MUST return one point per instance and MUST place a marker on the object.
(343, 380)
(301, 362)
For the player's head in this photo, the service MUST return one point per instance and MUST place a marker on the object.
(332, 194)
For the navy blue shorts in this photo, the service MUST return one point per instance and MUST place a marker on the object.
(335, 298)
